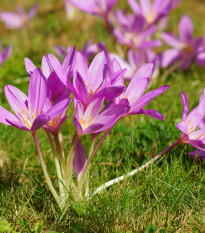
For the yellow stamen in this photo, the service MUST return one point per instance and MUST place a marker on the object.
(38, 112)
(51, 123)
(24, 111)
(123, 95)
(201, 136)
(191, 131)
(58, 117)
(24, 120)
(189, 121)
(32, 114)
(81, 121)
(90, 118)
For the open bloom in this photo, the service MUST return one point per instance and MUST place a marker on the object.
(95, 7)
(91, 120)
(4, 54)
(193, 124)
(29, 111)
(95, 80)
(185, 48)
(55, 84)
(136, 101)
(133, 33)
(19, 19)
(151, 12)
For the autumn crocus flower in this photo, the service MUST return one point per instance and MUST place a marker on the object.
(19, 19)
(4, 54)
(193, 124)
(91, 120)
(29, 111)
(95, 7)
(151, 12)
(134, 93)
(133, 33)
(185, 47)
(55, 83)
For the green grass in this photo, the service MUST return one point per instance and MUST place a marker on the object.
(168, 196)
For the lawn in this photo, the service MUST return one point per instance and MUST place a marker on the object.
(168, 196)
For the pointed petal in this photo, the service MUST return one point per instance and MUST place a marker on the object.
(169, 57)
(186, 28)
(37, 92)
(30, 67)
(135, 7)
(80, 86)
(96, 70)
(46, 67)
(58, 108)
(6, 115)
(79, 160)
(140, 81)
(11, 20)
(40, 121)
(171, 39)
(17, 124)
(185, 105)
(16, 98)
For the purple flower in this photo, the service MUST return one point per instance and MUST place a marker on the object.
(185, 48)
(4, 54)
(29, 111)
(133, 33)
(90, 120)
(136, 60)
(95, 7)
(19, 19)
(151, 12)
(193, 124)
(136, 101)
(96, 80)
(55, 83)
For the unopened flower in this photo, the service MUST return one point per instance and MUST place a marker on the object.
(19, 19)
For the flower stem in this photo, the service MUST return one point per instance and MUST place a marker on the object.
(116, 180)
(82, 178)
(58, 168)
(59, 150)
(43, 165)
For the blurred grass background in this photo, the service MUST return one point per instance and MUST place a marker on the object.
(167, 197)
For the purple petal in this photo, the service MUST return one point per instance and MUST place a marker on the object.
(69, 61)
(17, 124)
(46, 67)
(135, 7)
(152, 113)
(185, 105)
(145, 4)
(16, 98)
(96, 70)
(6, 115)
(111, 93)
(94, 128)
(11, 20)
(169, 57)
(32, 11)
(186, 28)
(6, 53)
(80, 87)
(145, 99)
(58, 108)
(198, 154)
(37, 92)
(182, 127)
(40, 121)
(171, 39)
(81, 66)
(200, 59)
(30, 67)
(140, 81)
(79, 160)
